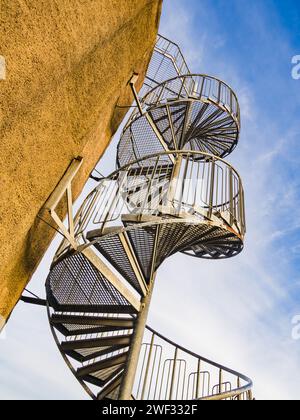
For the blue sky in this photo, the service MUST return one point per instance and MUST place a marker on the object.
(237, 311)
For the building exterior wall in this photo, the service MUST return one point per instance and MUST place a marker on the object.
(67, 67)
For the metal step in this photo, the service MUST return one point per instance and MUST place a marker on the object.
(125, 323)
(117, 340)
(103, 364)
(104, 377)
(118, 252)
(114, 394)
(76, 284)
(69, 332)
(101, 309)
(111, 390)
(142, 240)
(84, 355)
(194, 124)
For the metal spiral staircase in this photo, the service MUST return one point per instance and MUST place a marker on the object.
(172, 192)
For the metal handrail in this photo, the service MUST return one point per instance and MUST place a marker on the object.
(170, 53)
(143, 376)
(185, 92)
(113, 195)
(168, 50)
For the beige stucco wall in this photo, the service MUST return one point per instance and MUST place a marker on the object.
(68, 64)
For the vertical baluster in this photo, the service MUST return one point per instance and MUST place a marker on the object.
(198, 393)
(174, 180)
(220, 381)
(183, 183)
(116, 198)
(173, 373)
(231, 195)
(148, 193)
(202, 86)
(147, 367)
(219, 92)
(238, 387)
(212, 185)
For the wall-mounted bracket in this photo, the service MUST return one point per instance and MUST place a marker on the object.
(65, 187)
(132, 84)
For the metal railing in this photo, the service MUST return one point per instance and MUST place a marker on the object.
(167, 61)
(209, 188)
(172, 50)
(168, 371)
(195, 86)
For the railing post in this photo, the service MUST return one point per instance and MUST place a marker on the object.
(212, 187)
(173, 373)
(243, 217)
(198, 380)
(147, 367)
(220, 381)
(174, 180)
(238, 387)
(219, 91)
(231, 195)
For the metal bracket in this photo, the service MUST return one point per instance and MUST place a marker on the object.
(33, 301)
(65, 187)
(132, 83)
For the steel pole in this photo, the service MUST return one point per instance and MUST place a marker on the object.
(134, 351)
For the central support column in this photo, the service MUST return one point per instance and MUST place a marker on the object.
(135, 348)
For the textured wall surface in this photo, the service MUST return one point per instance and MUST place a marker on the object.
(68, 63)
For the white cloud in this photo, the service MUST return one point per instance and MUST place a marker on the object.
(237, 312)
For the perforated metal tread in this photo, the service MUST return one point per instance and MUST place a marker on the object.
(102, 355)
(75, 285)
(143, 243)
(111, 247)
(197, 126)
(190, 125)
(217, 248)
(178, 236)
(111, 390)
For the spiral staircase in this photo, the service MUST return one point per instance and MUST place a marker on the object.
(171, 192)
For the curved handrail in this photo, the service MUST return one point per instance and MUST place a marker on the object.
(247, 388)
(186, 89)
(173, 152)
(193, 76)
(233, 197)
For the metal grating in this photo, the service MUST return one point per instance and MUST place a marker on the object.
(75, 281)
(143, 240)
(167, 62)
(137, 141)
(108, 373)
(207, 128)
(112, 249)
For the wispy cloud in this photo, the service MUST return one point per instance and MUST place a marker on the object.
(239, 311)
